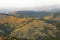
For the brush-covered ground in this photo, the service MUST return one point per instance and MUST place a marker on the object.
(28, 28)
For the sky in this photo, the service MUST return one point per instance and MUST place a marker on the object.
(12, 4)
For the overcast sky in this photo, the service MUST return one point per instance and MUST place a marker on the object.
(26, 3)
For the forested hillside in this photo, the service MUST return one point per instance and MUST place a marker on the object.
(21, 28)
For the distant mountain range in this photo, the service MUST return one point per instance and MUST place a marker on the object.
(32, 13)
(39, 12)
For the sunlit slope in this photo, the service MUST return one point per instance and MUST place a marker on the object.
(37, 26)
(27, 27)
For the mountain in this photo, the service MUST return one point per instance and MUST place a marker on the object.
(14, 26)
(39, 14)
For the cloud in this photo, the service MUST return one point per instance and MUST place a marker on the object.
(26, 3)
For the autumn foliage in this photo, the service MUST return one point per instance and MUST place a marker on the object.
(29, 28)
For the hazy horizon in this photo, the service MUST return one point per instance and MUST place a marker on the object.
(23, 4)
(33, 5)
